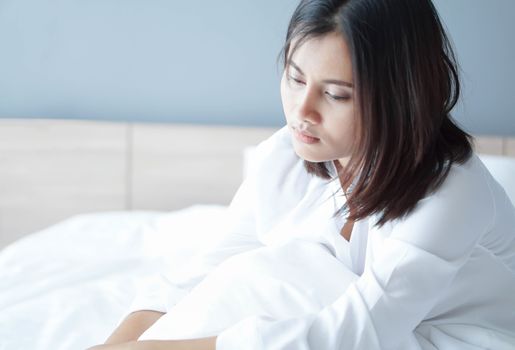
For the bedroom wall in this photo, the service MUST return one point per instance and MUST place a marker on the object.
(206, 61)
(482, 32)
(160, 60)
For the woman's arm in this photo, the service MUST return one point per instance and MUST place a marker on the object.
(133, 326)
(192, 344)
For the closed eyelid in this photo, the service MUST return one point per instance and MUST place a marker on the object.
(326, 81)
(342, 97)
(333, 95)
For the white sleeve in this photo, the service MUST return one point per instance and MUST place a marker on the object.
(410, 271)
(164, 291)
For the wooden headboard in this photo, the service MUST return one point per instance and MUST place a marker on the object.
(53, 169)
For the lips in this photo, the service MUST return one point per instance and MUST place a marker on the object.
(305, 133)
(305, 137)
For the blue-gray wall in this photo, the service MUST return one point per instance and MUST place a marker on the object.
(206, 61)
(483, 33)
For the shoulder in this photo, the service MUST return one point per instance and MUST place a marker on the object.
(458, 213)
(469, 180)
(466, 188)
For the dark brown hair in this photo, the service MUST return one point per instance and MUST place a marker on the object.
(406, 83)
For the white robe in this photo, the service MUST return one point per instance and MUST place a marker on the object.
(284, 278)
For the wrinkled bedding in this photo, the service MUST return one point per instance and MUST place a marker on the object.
(67, 286)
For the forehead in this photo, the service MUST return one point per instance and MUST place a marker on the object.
(327, 55)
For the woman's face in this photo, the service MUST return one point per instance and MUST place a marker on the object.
(318, 99)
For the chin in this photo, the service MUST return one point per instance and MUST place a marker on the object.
(309, 156)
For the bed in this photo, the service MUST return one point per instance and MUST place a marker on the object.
(90, 210)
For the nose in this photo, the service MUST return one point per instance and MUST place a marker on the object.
(308, 107)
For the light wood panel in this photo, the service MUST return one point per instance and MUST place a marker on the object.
(50, 170)
(489, 145)
(509, 147)
(181, 165)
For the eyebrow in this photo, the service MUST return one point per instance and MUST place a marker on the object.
(327, 81)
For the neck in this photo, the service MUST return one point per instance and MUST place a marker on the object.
(340, 165)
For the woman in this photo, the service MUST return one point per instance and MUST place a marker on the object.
(421, 251)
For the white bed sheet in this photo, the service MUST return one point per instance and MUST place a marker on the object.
(67, 286)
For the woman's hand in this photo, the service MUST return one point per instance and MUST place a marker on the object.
(191, 344)
(133, 326)
(121, 346)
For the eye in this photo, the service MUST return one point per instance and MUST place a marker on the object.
(337, 98)
(295, 80)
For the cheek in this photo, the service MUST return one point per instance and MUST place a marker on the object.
(342, 127)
